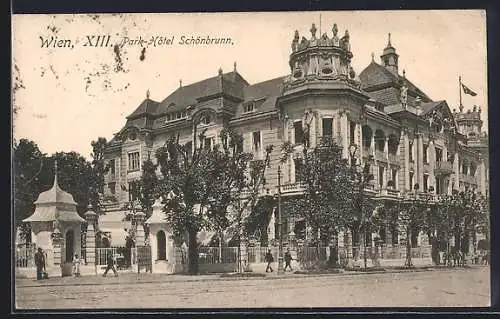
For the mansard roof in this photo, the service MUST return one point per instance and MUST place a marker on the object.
(263, 94)
(147, 107)
(229, 84)
(376, 77)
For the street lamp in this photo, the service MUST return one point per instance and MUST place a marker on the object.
(280, 225)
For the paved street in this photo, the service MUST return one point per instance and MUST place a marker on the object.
(455, 287)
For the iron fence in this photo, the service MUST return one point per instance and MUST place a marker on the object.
(217, 255)
(25, 256)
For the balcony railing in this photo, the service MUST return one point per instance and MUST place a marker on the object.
(443, 168)
(380, 155)
(468, 179)
(394, 158)
(389, 192)
(293, 187)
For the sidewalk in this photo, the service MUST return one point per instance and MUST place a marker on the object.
(127, 278)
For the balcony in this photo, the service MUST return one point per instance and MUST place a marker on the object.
(468, 179)
(380, 155)
(389, 193)
(443, 168)
(394, 158)
(293, 188)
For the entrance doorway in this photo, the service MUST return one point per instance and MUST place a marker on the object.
(70, 238)
(162, 245)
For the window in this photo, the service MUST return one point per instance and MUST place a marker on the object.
(256, 141)
(464, 167)
(327, 127)
(381, 176)
(411, 180)
(133, 161)
(208, 143)
(111, 165)
(394, 177)
(299, 132)
(426, 148)
(352, 130)
(249, 107)
(207, 119)
(439, 155)
(112, 188)
(426, 182)
(133, 191)
(410, 152)
(299, 165)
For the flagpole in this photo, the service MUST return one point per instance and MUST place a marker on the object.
(460, 92)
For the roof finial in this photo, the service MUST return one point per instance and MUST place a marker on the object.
(389, 40)
(180, 82)
(313, 30)
(373, 57)
(220, 71)
(148, 94)
(234, 66)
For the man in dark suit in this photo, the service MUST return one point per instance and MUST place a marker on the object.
(39, 263)
(269, 259)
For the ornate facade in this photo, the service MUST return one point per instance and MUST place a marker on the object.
(412, 141)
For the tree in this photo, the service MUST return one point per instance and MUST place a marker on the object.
(184, 190)
(30, 178)
(412, 214)
(99, 170)
(148, 186)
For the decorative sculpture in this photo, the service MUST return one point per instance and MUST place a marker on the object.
(335, 38)
(295, 41)
(404, 95)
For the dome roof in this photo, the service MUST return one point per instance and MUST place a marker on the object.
(55, 195)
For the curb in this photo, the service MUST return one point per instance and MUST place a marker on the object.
(268, 277)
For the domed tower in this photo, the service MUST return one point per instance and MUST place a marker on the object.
(469, 123)
(389, 57)
(321, 58)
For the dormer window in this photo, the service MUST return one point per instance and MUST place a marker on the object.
(249, 107)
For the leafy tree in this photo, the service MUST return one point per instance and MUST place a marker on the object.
(185, 192)
(99, 170)
(29, 177)
(234, 179)
(412, 214)
(148, 186)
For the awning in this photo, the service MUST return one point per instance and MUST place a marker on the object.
(117, 236)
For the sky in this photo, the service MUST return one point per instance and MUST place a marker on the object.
(68, 96)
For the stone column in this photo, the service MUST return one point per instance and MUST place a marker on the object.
(90, 246)
(456, 167)
(432, 159)
(312, 134)
(419, 178)
(139, 233)
(348, 244)
(344, 134)
(335, 132)
(481, 174)
(56, 244)
(359, 129)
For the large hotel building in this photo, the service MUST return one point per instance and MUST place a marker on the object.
(409, 138)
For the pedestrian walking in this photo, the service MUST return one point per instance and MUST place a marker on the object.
(269, 259)
(76, 266)
(288, 259)
(40, 264)
(111, 265)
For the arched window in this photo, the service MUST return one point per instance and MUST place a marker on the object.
(367, 136)
(162, 245)
(380, 140)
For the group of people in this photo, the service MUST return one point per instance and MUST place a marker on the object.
(269, 259)
(457, 258)
(41, 265)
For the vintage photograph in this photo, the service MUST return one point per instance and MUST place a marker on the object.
(250, 160)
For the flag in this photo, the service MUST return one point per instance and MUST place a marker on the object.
(468, 91)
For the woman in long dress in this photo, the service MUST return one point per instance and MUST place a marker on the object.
(76, 266)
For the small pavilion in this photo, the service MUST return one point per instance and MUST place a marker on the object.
(56, 228)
